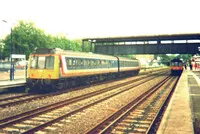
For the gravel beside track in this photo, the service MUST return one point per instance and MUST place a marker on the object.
(81, 122)
(10, 111)
(4, 96)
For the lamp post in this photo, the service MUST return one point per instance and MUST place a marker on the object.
(11, 51)
(2, 47)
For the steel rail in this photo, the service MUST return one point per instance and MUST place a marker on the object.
(20, 117)
(35, 129)
(112, 119)
(152, 127)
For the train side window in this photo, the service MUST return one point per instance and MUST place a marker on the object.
(82, 63)
(116, 63)
(105, 64)
(113, 63)
(95, 63)
(126, 63)
(108, 63)
(102, 63)
(69, 64)
(85, 63)
(98, 65)
(78, 63)
(88, 63)
(73, 63)
(130, 63)
(92, 63)
(134, 63)
(121, 64)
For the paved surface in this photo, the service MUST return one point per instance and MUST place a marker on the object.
(183, 113)
(19, 74)
(19, 78)
(195, 98)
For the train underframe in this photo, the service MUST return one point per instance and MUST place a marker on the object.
(176, 72)
(49, 85)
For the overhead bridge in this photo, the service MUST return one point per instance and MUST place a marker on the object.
(154, 44)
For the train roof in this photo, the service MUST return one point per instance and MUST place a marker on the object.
(176, 60)
(75, 54)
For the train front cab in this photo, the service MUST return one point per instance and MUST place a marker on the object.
(176, 67)
(43, 71)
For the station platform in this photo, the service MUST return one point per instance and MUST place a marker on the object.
(19, 79)
(182, 115)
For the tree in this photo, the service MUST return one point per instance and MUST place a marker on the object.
(26, 38)
(185, 57)
(165, 59)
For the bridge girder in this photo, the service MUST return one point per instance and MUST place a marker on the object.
(158, 44)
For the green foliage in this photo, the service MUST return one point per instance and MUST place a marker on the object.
(185, 57)
(127, 56)
(165, 59)
(26, 38)
(87, 46)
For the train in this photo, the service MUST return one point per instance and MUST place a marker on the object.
(57, 69)
(176, 66)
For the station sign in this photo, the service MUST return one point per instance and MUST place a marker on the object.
(18, 56)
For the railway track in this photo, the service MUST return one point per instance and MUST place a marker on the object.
(34, 120)
(9, 101)
(140, 115)
(16, 100)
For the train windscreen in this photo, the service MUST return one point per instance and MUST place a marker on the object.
(176, 64)
(42, 62)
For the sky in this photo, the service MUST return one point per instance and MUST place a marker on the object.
(103, 18)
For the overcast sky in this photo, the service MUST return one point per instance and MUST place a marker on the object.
(104, 18)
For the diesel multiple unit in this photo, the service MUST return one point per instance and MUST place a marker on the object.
(58, 69)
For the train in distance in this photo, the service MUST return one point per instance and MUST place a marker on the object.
(55, 69)
(176, 66)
